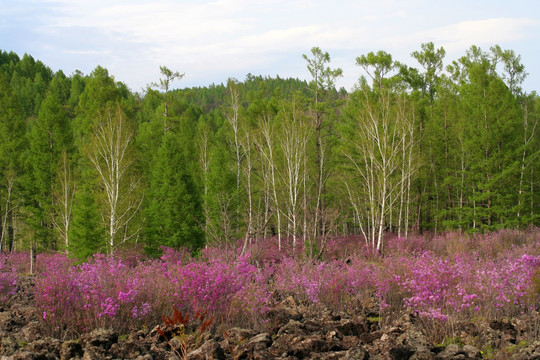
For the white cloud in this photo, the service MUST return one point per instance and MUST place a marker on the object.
(461, 35)
(221, 38)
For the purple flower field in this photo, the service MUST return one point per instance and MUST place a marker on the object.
(441, 280)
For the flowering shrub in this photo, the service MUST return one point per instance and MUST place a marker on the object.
(8, 278)
(438, 279)
(107, 293)
(20, 261)
(17, 261)
(335, 284)
(437, 288)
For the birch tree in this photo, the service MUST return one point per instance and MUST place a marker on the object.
(529, 153)
(249, 156)
(111, 154)
(233, 120)
(267, 151)
(375, 135)
(293, 140)
(63, 195)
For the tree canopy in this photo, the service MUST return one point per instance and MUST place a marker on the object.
(87, 165)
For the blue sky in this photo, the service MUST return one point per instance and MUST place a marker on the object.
(211, 41)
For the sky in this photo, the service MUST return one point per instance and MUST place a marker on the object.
(211, 41)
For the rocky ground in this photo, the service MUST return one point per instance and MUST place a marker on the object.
(296, 333)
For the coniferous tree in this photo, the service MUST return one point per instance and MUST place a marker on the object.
(463, 151)
(50, 135)
(87, 234)
(12, 145)
(220, 197)
(174, 215)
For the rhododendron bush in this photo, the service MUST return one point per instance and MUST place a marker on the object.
(465, 286)
(8, 278)
(438, 280)
(107, 293)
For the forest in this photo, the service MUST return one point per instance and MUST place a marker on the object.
(87, 165)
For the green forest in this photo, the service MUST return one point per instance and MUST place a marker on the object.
(88, 165)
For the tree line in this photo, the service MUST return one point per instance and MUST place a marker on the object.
(88, 165)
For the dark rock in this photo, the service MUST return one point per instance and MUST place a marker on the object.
(368, 338)
(70, 349)
(472, 352)
(10, 322)
(502, 325)
(298, 346)
(311, 326)
(210, 350)
(401, 353)
(31, 332)
(5, 318)
(95, 353)
(260, 341)
(357, 353)
(43, 349)
(354, 327)
(157, 351)
(280, 346)
(144, 357)
(397, 330)
(103, 338)
(350, 342)
(283, 312)
(137, 335)
(416, 342)
(334, 335)
(8, 346)
(423, 355)
(333, 355)
(255, 345)
(28, 355)
(452, 352)
(303, 346)
(129, 349)
(236, 335)
(292, 327)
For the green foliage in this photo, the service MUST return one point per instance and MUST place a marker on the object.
(49, 136)
(100, 95)
(173, 212)
(86, 232)
(470, 160)
(377, 65)
(60, 87)
(12, 148)
(30, 80)
(12, 127)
